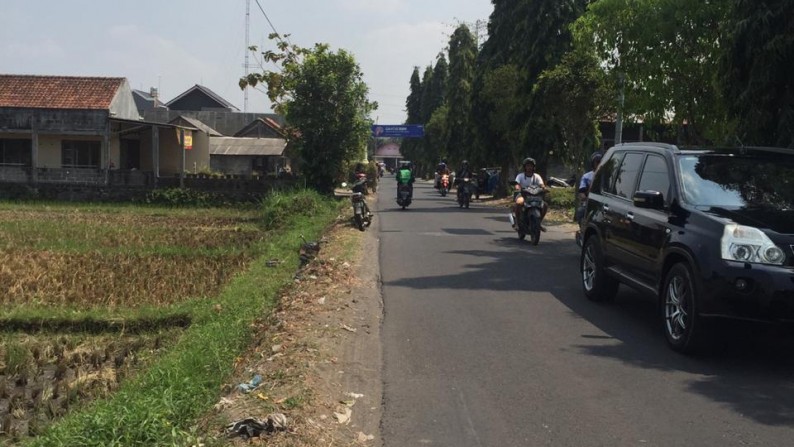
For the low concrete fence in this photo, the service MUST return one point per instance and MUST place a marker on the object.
(120, 186)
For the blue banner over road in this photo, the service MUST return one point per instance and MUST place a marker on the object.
(398, 131)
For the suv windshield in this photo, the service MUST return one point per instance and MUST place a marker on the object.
(737, 181)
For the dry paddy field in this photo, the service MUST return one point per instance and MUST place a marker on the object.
(89, 294)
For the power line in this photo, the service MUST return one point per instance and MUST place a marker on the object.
(278, 35)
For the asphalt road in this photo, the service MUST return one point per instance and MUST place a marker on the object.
(489, 341)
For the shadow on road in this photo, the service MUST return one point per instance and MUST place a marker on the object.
(750, 369)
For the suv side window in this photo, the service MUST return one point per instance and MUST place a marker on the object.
(605, 175)
(626, 177)
(655, 176)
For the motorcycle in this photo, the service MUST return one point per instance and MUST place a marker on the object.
(443, 186)
(464, 192)
(361, 214)
(528, 223)
(403, 195)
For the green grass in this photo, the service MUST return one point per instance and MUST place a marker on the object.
(160, 405)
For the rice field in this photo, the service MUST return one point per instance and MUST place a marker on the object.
(75, 277)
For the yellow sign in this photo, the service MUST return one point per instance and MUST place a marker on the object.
(188, 137)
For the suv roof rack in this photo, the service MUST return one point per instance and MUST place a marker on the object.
(667, 146)
(778, 150)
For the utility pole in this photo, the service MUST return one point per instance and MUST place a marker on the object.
(621, 101)
(247, 51)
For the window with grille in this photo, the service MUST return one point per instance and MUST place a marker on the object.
(80, 154)
(14, 152)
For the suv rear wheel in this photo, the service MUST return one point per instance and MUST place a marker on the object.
(597, 285)
(682, 326)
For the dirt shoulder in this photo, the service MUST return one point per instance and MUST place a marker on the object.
(318, 354)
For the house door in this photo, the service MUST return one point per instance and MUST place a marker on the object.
(130, 154)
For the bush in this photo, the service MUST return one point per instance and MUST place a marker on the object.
(563, 198)
(185, 197)
(280, 207)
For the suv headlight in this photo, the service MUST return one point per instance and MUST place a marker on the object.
(748, 244)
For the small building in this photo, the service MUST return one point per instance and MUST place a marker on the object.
(84, 130)
(248, 156)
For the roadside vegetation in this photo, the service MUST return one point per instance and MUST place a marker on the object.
(121, 322)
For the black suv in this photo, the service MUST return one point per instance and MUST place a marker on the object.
(709, 233)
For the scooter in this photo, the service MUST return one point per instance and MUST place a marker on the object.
(403, 195)
(361, 214)
(443, 186)
(528, 222)
(464, 192)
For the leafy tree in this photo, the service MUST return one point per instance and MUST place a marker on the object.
(532, 36)
(324, 100)
(437, 131)
(432, 99)
(667, 53)
(756, 71)
(574, 94)
(501, 104)
(462, 56)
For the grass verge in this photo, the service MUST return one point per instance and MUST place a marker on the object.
(159, 407)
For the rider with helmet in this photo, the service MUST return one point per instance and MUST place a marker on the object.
(583, 190)
(405, 176)
(528, 177)
(441, 169)
(587, 178)
(463, 172)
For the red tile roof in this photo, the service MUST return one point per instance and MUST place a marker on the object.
(58, 92)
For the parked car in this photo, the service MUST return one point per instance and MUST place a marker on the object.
(709, 233)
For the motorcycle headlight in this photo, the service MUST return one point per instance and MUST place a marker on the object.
(748, 244)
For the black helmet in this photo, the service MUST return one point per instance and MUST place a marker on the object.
(464, 162)
(528, 160)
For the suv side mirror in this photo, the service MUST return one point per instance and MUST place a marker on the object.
(649, 199)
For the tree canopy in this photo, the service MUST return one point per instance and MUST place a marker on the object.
(324, 100)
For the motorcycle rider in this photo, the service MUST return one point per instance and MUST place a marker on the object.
(463, 172)
(587, 178)
(405, 176)
(526, 179)
(584, 189)
(441, 169)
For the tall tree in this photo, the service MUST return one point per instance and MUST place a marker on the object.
(462, 57)
(432, 99)
(532, 36)
(324, 100)
(413, 105)
(757, 71)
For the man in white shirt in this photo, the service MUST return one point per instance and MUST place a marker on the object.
(524, 180)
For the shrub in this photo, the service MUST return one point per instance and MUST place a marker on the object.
(185, 197)
(280, 207)
(563, 198)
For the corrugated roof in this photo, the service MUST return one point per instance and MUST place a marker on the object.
(247, 146)
(58, 92)
(199, 125)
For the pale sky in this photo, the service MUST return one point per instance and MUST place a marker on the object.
(174, 44)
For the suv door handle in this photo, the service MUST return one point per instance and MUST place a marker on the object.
(606, 207)
(630, 216)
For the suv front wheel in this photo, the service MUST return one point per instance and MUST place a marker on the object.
(597, 285)
(682, 326)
